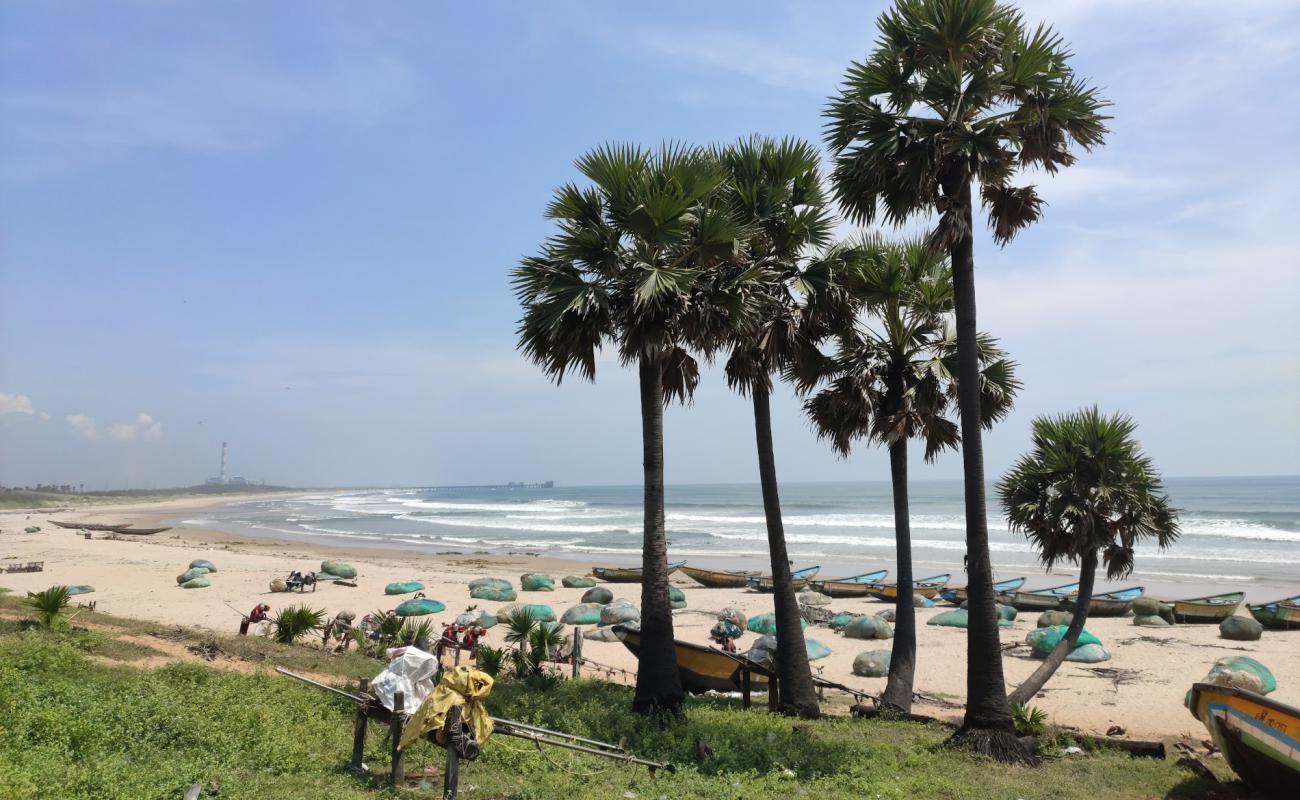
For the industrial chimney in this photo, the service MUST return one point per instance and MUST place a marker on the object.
(223, 462)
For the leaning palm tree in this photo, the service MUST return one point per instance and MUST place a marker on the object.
(893, 379)
(959, 92)
(1085, 491)
(625, 269)
(774, 189)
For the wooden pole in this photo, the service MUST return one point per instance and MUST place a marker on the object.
(243, 627)
(395, 729)
(746, 683)
(356, 765)
(773, 694)
(577, 652)
(451, 775)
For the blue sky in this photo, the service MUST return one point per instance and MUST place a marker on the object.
(290, 226)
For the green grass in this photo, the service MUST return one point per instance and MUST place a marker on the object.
(71, 727)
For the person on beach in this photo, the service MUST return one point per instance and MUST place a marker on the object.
(259, 613)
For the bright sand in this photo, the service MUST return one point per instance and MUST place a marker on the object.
(135, 577)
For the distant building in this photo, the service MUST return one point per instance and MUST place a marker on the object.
(235, 480)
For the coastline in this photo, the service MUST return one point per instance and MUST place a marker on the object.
(1140, 689)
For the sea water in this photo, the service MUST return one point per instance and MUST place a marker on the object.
(1234, 530)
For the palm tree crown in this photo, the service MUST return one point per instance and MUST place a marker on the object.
(957, 90)
(1086, 487)
(893, 376)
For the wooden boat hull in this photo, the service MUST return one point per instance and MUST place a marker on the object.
(718, 579)
(627, 574)
(138, 531)
(89, 526)
(766, 583)
(848, 587)
(1283, 615)
(1109, 604)
(702, 669)
(926, 587)
(1205, 610)
(1259, 737)
(958, 596)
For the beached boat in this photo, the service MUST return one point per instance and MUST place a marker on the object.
(1208, 609)
(701, 668)
(1259, 737)
(853, 586)
(958, 596)
(719, 579)
(89, 526)
(1109, 604)
(925, 587)
(628, 574)
(137, 531)
(1038, 599)
(1281, 615)
(799, 579)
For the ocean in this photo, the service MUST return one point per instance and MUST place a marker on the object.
(1235, 530)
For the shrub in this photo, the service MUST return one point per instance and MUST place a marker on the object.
(49, 606)
(295, 622)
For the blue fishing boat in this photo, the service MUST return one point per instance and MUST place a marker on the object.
(958, 596)
(853, 586)
(800, 578)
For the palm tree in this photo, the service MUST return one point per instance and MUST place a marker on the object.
(49, 605)
(626, 269)
(1085, 489)
(892, 380)
(295, 622)
(959, 91)
(774, 190)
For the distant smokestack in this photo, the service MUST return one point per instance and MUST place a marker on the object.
(223, 462)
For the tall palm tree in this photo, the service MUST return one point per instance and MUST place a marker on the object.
(894, 379)
(625, 269)
(1084, 490)
(958, 92)
(774, 189)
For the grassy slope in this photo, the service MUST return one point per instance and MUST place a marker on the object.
(75, 727)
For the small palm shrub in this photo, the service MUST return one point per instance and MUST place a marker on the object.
(295, 622)
(490, 659)
(413, 633)
(49, 606)
(1029, 721)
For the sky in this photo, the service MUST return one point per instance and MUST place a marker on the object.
(290, 227)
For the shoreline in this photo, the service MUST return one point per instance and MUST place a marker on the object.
(135, 577)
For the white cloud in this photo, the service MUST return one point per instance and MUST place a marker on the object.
(16, 404)
(761, 59)
(82, 425)
(44, 417)
(143, 427)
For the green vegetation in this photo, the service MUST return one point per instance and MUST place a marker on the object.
(72, 727)
(293, 623)
(48, 606)
(64, 496)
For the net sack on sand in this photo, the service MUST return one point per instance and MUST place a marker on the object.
(418, 607)
(765, 624)
(536, 582)
(534, 611)
(598, 594)
(339, 569)
(1242, 672)
(619, 613)
(204, 563)
(868, 628)
(582, 614)
(196, 583)
(575, 582)
(1044, 640)
(403, 587)
(676, 597)
(491, 589)
(191, 574)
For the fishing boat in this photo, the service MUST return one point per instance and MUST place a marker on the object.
(628, 574)
(702, 669)
(1110, 604)
(1038, 599)
(136, 531)
(89, 526)
(854, 586)
(958, 596)
(719, 579)
(925, 587)
(1259, 737)
(1215, 608)
(799, 579)
(1281, 615)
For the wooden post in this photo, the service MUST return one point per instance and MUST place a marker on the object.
(243, 627)
(356, 765)
(746, 683)
(452, 735)
(577, 651)
(457, 662)
(395, 729)
(773, 694)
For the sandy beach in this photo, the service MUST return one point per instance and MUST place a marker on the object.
(1140, 689)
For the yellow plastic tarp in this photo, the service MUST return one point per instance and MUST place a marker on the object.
(459, 686)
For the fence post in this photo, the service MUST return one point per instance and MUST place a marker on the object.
(243, 627)
(356, 765)
(452, 733)
(577, 650)
(773, 694)
(395, 728)
(745, 685)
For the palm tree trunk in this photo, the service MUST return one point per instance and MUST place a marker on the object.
(902, 659)
(798, 696)
(658, 684)
(1026, 691)
(986, 694)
